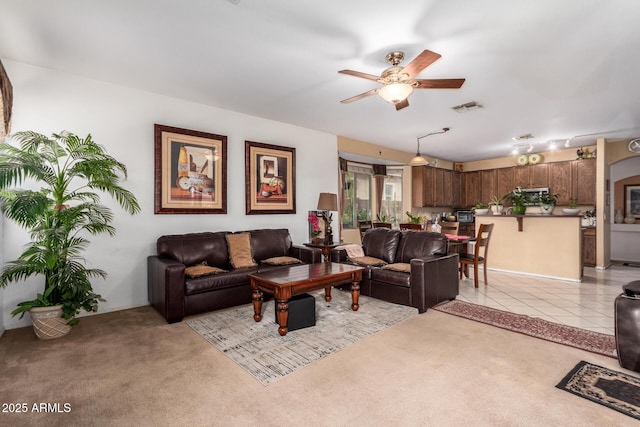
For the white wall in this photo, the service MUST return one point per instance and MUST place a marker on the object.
(625, 238)
(122, 119)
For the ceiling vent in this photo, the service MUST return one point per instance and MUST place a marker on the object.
(522, 137)
(469, 106)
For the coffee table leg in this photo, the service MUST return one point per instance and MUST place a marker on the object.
(282, 313)
(355, 296)
(327, 294)
(257, 305)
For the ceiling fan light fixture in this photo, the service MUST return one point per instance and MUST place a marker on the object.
(395, 92)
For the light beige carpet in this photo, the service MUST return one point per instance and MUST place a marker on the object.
(131, 368)
(261, 351)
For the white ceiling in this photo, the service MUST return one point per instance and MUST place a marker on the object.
(556, 69)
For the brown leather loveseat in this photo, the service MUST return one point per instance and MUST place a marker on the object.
(199, 272)
(412, 268)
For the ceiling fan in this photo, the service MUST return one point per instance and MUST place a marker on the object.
(399, 82)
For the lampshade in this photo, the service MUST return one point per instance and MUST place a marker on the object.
(419, 160)
(395, 92)
(328, 202)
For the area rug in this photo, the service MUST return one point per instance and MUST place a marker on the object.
(612, 389)
(594, 342)
(261, 351)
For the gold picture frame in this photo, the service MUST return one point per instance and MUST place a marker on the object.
(190, 171)
(270, 179)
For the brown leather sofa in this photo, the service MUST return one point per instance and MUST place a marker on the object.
(176, 295)
(413, 268)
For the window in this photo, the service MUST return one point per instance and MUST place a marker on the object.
(391, 204)
(356, 203)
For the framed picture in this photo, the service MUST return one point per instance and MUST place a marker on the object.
(190, 171)
(632, 200)
(270, 179)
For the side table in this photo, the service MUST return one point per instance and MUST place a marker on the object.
(325, 247)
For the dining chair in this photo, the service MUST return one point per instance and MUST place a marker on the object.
(363, 226)
(450, 228)
(410, 226)
(381, 225)
(479, 255)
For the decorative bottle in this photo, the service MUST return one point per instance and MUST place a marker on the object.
(619, 218)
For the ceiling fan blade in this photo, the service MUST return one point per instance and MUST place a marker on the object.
(438, 83)
(420, 62)
(362, 95)
(404, 103)
(359, 74)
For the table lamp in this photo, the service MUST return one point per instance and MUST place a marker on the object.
(327, 202)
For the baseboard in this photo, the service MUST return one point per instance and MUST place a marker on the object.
(521, 273)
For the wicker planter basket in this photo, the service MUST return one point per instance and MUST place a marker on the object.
(48, 322)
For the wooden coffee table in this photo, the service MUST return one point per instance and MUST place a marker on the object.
(290, 281)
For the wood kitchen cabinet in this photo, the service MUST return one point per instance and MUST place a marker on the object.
(443, 191)
(521, 176)
(539, 175)
(504, 181)
(488, 185)
(467, 229)
(584, 181)
(422, 186)
(589, 247)
(532, 176)
(560, 181)
(457, 193)
(472, 194)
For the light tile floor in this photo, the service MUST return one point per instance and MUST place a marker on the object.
(587, 305)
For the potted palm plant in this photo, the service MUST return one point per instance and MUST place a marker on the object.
(59, 216)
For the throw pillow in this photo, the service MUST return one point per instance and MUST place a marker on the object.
(368, 261)
(403, 267)
(282, 260)
(202, 270)
(240, 250)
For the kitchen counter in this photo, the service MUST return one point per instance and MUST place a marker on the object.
(540, 245)
(520, 218)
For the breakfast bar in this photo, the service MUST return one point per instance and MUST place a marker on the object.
(540, 245)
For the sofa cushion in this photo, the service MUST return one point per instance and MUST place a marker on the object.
(194, 248)
(381, 243)
(368, 261)
(403, 267)
(269, 243)
(240, 250)
(218, 281)
(282, 260)
(396, 278)
(202, 270)
(419, 244)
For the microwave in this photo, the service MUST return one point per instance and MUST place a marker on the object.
(534, 195)
(464, 216)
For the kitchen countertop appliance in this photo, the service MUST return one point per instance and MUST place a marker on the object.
(464, 216)
(534, 195)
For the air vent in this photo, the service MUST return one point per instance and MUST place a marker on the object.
(522, 137)
(469, 106)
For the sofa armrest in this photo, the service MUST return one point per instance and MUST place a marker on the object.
(338, 255)
(165, 287)
(305, 254)
(434, 279)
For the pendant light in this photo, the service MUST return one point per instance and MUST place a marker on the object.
(419, 159)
